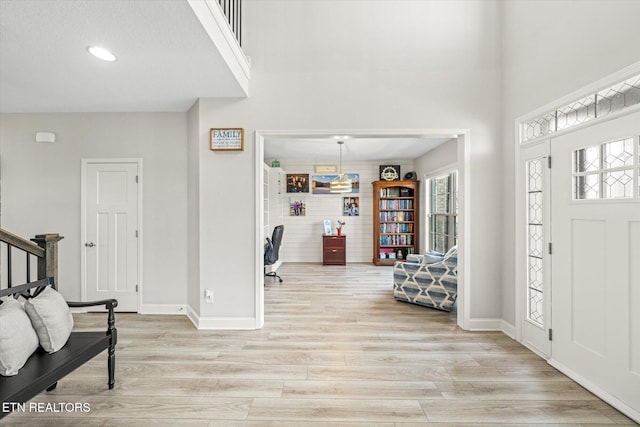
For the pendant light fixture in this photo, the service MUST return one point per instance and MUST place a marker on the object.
(342, 184)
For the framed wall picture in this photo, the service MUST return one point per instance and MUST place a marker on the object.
(389, 172)
(297, 183)
(226, 139)
(351, 206)
(320, 184)
(297, 207)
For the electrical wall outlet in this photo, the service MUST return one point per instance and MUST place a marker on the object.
(208, 296)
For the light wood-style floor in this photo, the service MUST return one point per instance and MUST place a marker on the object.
(337, 350)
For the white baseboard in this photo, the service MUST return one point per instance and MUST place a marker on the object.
(241, 323)
(509, 329)
(630, 412)
(498, 325)
(484, 325)
(163, 309)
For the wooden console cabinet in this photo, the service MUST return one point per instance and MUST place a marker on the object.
(334, 250)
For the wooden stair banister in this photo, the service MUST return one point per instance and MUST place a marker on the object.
(48, 265)
(45, 248)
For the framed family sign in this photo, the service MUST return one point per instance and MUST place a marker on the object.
(227, 139)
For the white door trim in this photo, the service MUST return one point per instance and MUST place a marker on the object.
(542, 148)
(83, 221)
(464, 200)
(520, 274)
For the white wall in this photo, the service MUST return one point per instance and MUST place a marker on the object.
(331, 64)
(550, 50)
(303, 234)
(41, 188)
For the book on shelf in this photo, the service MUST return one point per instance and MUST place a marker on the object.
(393, 227)
(396, 192)
(396, 216)
(400, 239)
(396, 204)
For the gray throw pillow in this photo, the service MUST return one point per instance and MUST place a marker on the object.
(51, 318)
(18, 340)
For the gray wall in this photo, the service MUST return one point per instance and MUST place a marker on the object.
(322, 64)
(442, 156)
(41, 188)
(193, 209)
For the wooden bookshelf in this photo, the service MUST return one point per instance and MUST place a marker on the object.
(395, 220)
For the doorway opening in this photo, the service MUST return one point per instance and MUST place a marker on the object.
(293, 138)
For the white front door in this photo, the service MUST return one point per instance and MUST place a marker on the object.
(596, 258)
(111, 232)
(535, 195)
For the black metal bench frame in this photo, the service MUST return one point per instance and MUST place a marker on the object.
(42, 371)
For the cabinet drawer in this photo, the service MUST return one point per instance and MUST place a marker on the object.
(333, 241)
(334, 256)
(334, 253)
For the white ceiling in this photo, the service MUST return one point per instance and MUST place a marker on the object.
(165, 62)
(355, 148)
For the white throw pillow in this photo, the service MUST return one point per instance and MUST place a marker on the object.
(18, 340)
(51, 318)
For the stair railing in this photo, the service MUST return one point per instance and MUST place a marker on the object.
(44, 250)
(232, 9)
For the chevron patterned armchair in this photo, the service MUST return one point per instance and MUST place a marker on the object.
(428, 280)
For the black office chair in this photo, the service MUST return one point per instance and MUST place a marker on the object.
(272, 250)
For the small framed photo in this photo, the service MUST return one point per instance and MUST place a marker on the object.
(351, 206)
(226, 139)
(327, 227)
(297, 207)
(297, 183)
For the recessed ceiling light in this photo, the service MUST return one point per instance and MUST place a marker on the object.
(101, 53)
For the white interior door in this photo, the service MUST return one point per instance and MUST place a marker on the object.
(596, 258)
(535, 191)
(111, 230)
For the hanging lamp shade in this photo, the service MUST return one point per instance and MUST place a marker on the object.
(342, 184)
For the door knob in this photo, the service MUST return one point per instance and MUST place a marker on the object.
(90, 244)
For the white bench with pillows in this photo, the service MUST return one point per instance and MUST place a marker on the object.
(37, 345)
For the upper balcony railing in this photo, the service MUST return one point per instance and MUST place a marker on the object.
(233, 11)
